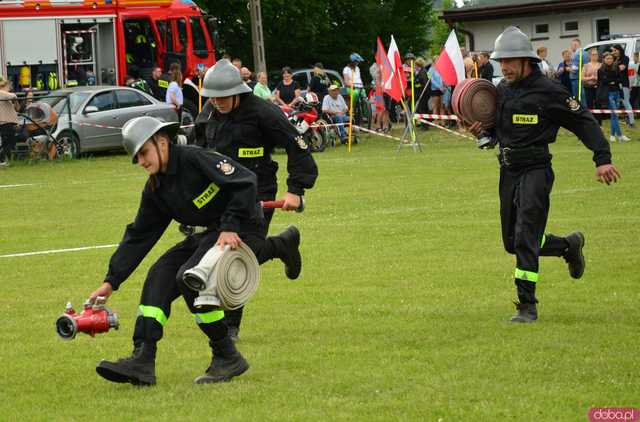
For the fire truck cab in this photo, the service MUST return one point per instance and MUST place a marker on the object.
(50, 44)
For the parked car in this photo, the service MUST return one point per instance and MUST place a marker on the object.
(630, 43)
(98, 113)
(303, 77)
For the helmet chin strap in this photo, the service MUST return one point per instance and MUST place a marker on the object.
(153, 177)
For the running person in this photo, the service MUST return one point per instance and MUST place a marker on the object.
(530, 110)
(240, 125)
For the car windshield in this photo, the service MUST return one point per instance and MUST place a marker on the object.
(59, 104)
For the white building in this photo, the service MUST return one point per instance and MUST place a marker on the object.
(552, 24)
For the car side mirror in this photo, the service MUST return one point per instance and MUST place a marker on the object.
(90, 109)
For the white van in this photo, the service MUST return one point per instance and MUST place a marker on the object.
(630, 43)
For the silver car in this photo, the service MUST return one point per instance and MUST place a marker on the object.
(97, 114)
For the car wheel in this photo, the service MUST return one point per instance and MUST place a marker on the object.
(67, 146)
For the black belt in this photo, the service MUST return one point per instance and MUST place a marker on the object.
(524, 157)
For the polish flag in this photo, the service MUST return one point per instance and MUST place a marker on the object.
(450, 63)
(396, 82)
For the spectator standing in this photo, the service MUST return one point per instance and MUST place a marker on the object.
(545, 67)
(319, 83)
(247, 77)
(262, 89)
(437, 89)
(485, 69)
(237, 63)
(634, 81)
(564, 69)
(174, 91)
(158, 83)
(609, 93)
(288, 90)
(575, 68)
(590, 80)
(622, 63)
(334, 106)
(351, 72)
(8, 121)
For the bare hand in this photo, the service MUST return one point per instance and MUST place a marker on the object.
(607, 173)
(475, 129)
(229, 238)
(291, 202)
(105, 290)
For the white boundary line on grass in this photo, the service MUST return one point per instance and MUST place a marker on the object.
(17, 186)
(84, 248)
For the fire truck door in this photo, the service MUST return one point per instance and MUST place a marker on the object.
(176, 43)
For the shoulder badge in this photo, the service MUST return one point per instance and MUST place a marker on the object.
(301, 143)
(573, 104)
(225, 167)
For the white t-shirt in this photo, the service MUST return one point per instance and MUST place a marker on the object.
(335, 106)
(174, 88)
(348, 75)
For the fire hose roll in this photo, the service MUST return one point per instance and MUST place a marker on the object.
(474, 100)
(225, 278)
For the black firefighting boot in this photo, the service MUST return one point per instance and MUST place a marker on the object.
(233, 320)
(527, 311)
(137, 369)
(226, 363)
(573, 254)
(284, 246)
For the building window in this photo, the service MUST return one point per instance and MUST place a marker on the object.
(541, 30)
(570, 27)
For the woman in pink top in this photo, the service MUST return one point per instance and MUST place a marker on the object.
(590, 80)
(8, 122)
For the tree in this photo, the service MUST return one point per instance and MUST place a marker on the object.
(300, 34)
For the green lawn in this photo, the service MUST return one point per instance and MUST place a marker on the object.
(400, 312)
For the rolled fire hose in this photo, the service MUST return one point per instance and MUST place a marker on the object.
(225, 278)
(474, 100)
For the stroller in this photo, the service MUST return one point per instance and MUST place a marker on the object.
(34, 130)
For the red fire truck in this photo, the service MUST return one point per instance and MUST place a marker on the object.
(50, 44)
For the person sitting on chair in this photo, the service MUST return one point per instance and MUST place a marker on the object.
(335, 107)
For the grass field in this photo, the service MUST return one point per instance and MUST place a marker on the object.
(400, 313)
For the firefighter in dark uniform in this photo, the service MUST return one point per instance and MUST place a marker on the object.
(236, 123)
(531, 108)
(192, 186)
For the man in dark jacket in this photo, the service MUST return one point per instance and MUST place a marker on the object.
(243, 126)
(530, 110)
(192, 186)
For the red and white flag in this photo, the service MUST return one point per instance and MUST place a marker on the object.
(396, 82)
(450, 63)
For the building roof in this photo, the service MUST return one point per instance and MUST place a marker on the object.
(490, 9)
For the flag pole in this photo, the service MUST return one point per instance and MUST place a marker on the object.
(413, 91)
(580, 77)
(350, 114)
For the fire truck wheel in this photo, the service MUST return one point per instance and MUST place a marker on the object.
(68, 145)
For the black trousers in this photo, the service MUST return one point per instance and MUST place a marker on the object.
(524, 208)
(234, 318)
(164, 285)
(8, 136)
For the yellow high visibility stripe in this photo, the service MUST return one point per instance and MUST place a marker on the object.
(526, 275)
(209, 317)
(153, 312)
(205, 197)
(525, 119)
(250, 152)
